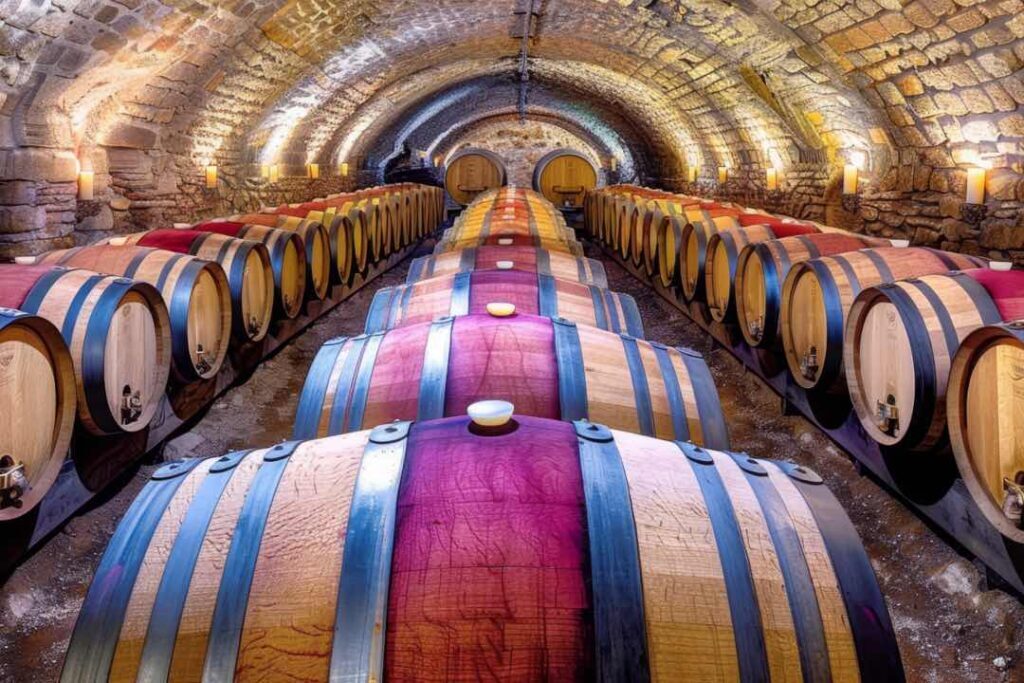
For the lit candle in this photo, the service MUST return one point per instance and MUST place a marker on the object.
(975, 186)
(211, 177)
(723, 174)
(614, 163)
(849, 179)
(343, 169)
(85, 185)
(771, 179)
(314, 171)
(264, 171)
(438, 160)
(693, 174)
(275, 173)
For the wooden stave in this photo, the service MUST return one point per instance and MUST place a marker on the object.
(831, 378)
(797, 249)
(732, 497)
(276, 242)
(557, 264)
(641, 387)
(50, 297)
(965, 361)
(455, 295)
(61, 431)
(176, 290)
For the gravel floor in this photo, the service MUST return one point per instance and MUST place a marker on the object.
(951, 627)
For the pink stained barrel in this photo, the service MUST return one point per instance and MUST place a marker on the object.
(179, 241)
(17, 282)
(496, 585)
(1006, 289)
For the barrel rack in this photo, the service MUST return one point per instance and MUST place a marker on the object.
(949, 507)
(93, 463)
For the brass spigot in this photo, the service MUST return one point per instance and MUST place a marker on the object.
(1013, 501)
(13, 482)
(756, 327)
(887, 415)
(809, 363)
(131, 405)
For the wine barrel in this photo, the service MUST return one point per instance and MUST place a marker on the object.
(526, 259)
(531, 294)
(315, 240)
(117, 331)
(986, 423)
(471, 172)
(645, 240)
(723, 255)
(817, 296)
(37, 409)
(287, 260)
(337, 225)
(440, 550)
(900, 342)
(563, 176)
(693, 244)
(761, 268)
(196, 293)
(245, 262)
(547, 368)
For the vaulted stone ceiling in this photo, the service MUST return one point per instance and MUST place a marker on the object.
(149, 92)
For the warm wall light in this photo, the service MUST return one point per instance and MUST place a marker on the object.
(693, 174)
(438, 160)
(723, 174)
(211, 177)
(314, 171)
(85, 185)
(275, 173)
(850, 172)
(264, 171)
(771, 179)
(976, 185)
(614, 164)
(343, 169)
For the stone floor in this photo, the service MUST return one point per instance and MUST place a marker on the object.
(951, 627)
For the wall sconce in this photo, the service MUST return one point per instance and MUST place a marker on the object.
(211, 177)
(314, 171)
(850, 199)
(974, 209)
(613, 164)
(771, 179)
(692, 174)
(85, 185)
(438, 160)
(723, 175)
(275, 173)
(264, 171)
(343, 169)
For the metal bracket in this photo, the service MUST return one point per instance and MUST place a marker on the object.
(590, 431)
(801, 473)
(851, 203)
(390, 433)
(175, 469)
(228, 461)
(695, 453)
(750, 465)
(974, 214)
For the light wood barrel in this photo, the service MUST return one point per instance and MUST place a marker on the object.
(37, 409)
(287, 260)
(761, 268)
(723, 256)
(900, 342)
(438, 551)
(471, 172)
(339, 233)
(196, 293)
(693, 245)
(985, 408)
(245, 262)
(117, 331)
(531, 294)
(317, 243)
(526, 259)
(546, 368)
(563, 177)
(818, 294)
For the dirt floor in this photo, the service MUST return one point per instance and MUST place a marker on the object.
(951, 626)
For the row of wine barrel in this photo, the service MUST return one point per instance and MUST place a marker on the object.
(887, 325)
(135, 311)
(453, 549)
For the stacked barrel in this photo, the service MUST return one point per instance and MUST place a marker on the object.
(926, 343)
(534, 546)
(102, 331)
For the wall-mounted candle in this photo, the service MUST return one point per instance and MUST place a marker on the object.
(438, 160)
(771, 179)
(314, 171)
(850, 179)
(343, 169)
(211, 177)
(976, 185)
(693, 174)
(85, 185)
(264, 171)
(723, 174)
(613, 163)
(275, 173)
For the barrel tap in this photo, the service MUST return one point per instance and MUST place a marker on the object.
(203, 366)
(756, 327)
(131, 405)
(254, 326)
(12, 481)
(1013, 500)
(809, 363)
(887, 415)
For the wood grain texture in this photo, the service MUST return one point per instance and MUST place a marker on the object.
(564, 179)
(471, 174)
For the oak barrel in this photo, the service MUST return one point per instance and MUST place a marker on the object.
(37, 409)
(530, 293)
(471, 172)
(287, 259)
(761, 269)
(723, 252)
(245, 262)
(117, 331)
(546, 368)
(527, 259)
(196, 293)
(563, 176)
(337, 226)
(818, 294)
(985, 410)
(900, 341)
(319, 266)
(438, 551)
